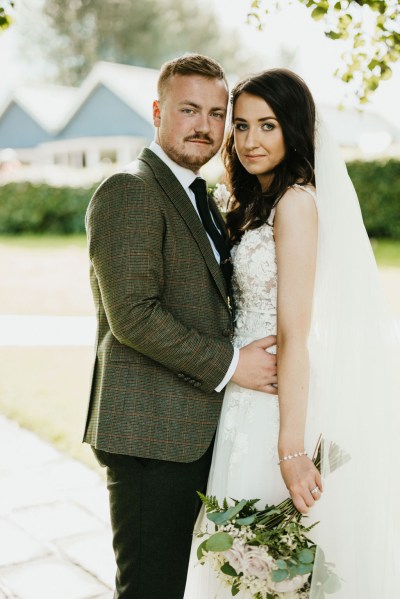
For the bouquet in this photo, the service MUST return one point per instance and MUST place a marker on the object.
(267, 553)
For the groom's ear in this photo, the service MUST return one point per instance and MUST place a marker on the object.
(156, 113)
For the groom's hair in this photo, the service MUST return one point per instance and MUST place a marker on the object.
(189, 64)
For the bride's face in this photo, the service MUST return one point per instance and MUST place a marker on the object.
(258, 137)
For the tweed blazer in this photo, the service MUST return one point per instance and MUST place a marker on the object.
(164, 318)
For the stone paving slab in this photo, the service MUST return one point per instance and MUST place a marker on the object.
(93, 553)
(51, 578)
(17, 546)
(53, 521)
(55, 534)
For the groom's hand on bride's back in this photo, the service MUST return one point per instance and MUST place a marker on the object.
(256, 368)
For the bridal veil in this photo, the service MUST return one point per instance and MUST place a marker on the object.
(354, 398)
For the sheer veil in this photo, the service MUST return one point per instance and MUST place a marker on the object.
(354, 398)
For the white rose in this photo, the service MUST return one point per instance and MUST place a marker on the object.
(287, 586)
(235, 556)
(256, 562)
(221, 196)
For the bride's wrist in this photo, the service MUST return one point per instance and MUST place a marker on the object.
(290, 446)
(291, 456)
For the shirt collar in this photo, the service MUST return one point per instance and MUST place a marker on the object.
(184, 175)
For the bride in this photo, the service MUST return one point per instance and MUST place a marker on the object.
(304, 270)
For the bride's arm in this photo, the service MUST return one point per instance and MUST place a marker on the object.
(295, 231)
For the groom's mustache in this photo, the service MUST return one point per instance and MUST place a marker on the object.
(206, 138)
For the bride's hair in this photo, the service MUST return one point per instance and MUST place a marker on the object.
(292, 102)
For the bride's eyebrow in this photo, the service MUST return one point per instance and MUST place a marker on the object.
(264, 118)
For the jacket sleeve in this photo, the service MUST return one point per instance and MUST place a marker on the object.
(125, 233)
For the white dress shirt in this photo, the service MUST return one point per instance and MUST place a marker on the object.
(186, 177)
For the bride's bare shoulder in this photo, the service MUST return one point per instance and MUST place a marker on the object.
(297, 201)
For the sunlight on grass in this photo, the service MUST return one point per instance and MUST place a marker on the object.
(43, 241)
(387, 251)
(46, 390)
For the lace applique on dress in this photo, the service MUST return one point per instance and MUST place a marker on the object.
(254, 284)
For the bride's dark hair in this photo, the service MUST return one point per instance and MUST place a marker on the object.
(292, 102)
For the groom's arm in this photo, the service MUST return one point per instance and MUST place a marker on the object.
(125, 233)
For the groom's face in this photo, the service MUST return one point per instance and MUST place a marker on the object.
(190, 119)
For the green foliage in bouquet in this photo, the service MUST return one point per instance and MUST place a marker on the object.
(268, 552)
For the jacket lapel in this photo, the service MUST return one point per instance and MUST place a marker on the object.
(183, 205)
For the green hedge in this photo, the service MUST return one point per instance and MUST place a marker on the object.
(378, 188)
(39, 208)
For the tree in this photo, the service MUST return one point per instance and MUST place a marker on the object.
(6, 7)
(74, 35)
(372, 28)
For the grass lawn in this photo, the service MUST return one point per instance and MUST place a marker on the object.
(387, 252)
(46, 389)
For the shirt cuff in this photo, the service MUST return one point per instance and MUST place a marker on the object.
(231, 370)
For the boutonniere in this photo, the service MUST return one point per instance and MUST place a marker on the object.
(221, 195)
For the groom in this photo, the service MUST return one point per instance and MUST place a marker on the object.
(160, 272)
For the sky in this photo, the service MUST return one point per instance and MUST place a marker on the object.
(316, 57)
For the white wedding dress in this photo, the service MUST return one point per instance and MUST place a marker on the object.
(353, 398)
(244, 464)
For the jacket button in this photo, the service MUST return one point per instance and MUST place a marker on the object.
(197, 384)
(181, 375)
(226, 332)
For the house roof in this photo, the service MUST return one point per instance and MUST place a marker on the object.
(46, 104)
(136, 86)
(53, 107)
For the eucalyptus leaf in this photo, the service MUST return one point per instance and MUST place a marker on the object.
(200, 549)
(304, 569)
(218, 518)
(235, 509)
(306, 556)
(279, 575)
(281, 564)
(220, 541)
(246, 521)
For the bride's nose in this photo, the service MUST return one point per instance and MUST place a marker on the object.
(251, 140)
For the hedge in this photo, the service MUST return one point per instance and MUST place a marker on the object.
(378, 188)
(39, 208)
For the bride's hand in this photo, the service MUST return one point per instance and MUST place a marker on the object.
(303, 481)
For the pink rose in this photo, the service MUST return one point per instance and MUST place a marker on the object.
(256, 562)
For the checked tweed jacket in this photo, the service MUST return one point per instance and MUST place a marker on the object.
(164, 321)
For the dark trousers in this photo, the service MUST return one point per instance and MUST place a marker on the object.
(153, 507)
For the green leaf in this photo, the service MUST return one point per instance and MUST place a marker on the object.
(227, 569)
(246, 521)
(200, 549)
(333, 35)
(235, 590)
(306, 556)
(304, 569)
(279, 575)
(281, 564)
(318, 13)
(218, 518)
(220, 541)
(235, 509)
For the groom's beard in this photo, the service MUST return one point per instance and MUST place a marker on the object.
(193, 152)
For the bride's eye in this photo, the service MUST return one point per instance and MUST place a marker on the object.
(268, 126)
(240, 126)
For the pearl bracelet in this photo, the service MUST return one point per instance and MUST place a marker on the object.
(291, 456)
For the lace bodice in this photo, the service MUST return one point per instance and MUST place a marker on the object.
(254, 284)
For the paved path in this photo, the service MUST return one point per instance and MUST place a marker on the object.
(55, 538)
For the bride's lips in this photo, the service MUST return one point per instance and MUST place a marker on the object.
(255, 157)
